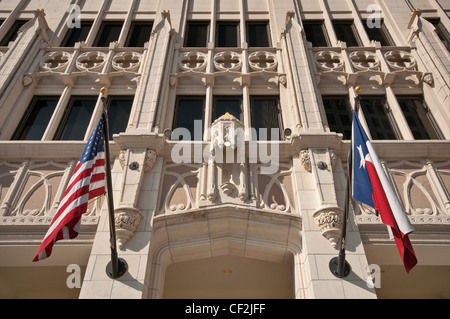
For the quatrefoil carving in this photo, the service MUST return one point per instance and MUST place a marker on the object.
(263, 61)
(127, 61)
(227, 61)
(91, 61)
(400, 60)
(55, 61)
(192, 61)
(364, 60)
(329, 61)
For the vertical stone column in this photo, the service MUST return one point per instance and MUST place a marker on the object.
(135, 176)
(317, 193)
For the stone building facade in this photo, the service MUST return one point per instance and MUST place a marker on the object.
(202, 212)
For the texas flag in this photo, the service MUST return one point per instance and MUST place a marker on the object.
(372, 187)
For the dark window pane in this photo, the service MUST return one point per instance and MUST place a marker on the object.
(345, 32)
(75, 35)
(109, 32)
(139, 34)
(11, 35)
(376, 33)
(36, 118)
(315, 33)
(337, 110)
(76, 118)
(377, 119)
(227, 34)
(196, 34)
(188, 110)
(416, 116)
(258, 34)
(118, 114)
(265, 115)
(231, 105)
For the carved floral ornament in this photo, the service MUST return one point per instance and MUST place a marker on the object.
(91, 61)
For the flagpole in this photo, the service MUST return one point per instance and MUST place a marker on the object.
(117, 266)
(338, 265)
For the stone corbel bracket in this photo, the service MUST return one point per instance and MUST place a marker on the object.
(329, 220)
(126, 220)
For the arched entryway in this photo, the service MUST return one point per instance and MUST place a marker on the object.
(228, 277)
(224, 253)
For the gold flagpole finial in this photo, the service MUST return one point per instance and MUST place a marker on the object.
(103, 91)
(357, 89)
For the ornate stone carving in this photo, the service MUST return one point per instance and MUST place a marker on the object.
(305, 159)
(329, 221)
(91, 61)
(150, 159)
(329, 61)
(55, 61)
(227, 61)
(364, 60)
(192, 61)
(126, 61)
(263, 61)
(428, 79)
(400, 60)
(126, 220)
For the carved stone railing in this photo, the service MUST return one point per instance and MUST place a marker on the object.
(367, 66)
(70, 63)
(241, 63)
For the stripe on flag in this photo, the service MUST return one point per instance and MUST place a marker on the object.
(371, 186)
(87, 182)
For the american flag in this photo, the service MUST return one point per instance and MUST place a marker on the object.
(86, 183)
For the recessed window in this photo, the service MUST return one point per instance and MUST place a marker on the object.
(12, 33)
(76, 118)
(139, 34)
(108, 32)
(265, 116)
(119, 109)
(338, 112)
(75, 35)
(346, 32)
(227, 104)
(378, 120)
(189, 111)
(420, 120)
(315, 33)
(36, 118)
(196, 34)
(227, 34)
(258, 34)
(378, 32)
